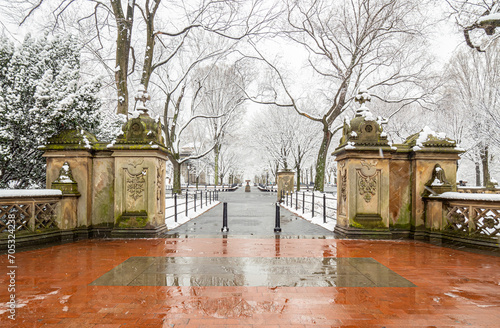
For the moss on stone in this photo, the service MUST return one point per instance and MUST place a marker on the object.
(132, 220)
(404, 218)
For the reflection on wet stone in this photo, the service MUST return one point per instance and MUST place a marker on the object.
(252, 271)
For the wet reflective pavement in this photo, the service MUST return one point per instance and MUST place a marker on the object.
(252, 271)
(250, 215)
(453, 288)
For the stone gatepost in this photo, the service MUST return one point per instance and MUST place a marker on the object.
(363, 172)
(139, 161)
(73, 148)
(285, 182)
(433, 160)
(382, 188)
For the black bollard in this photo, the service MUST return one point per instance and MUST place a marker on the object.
(224, 218)
(175, 207)
(303, 202)
(324, 208)
(313, 204)
(277, 228)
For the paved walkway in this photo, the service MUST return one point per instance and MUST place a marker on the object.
(251, 282)
(59, 287)
(250, 215)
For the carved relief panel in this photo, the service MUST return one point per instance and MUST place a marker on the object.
(135, 191)
(160, 186)
(368, 193)
(342, 189)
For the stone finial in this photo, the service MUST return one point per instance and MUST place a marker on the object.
(362, 97)
(364, 130)
(65, 182)
(142, 95)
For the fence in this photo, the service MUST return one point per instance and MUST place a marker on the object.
(177, 204)
(316, 203)
(28, 210)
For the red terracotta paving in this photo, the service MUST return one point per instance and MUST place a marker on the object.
(454, 288)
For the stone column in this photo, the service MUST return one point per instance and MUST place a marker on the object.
(139, 182)
(285, 182)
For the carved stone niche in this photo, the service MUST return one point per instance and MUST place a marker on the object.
(438, 183)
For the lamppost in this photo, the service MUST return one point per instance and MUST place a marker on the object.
(188, 169)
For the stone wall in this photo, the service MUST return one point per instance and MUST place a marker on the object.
(121, 184)
(381, 186)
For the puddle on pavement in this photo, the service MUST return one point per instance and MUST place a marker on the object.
(252, 271)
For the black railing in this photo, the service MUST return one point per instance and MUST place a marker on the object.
(189, 201)
(324, 204)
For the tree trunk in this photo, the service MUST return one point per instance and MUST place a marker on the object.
(298, 176)
(124, 35)
(216, 164)
(485, 163)
(478, 175)
(319, 182)
(177, 176)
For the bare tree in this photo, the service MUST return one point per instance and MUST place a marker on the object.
(148, 24)
(286, 138)
(378, 43)
(476, 17)
(223, 93)
(272, 133)
(179, 115)
(474, 97)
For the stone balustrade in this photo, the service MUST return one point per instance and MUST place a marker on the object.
(31, 210)
(467, 217)
(478, 190)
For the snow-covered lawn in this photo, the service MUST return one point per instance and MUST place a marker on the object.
(331, 213)
(181, 211)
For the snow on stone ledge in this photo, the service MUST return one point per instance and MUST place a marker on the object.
(9, 193)
(466, 196)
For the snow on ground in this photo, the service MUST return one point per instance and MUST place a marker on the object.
(331, 213)
(181, 212)
(7, 193)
